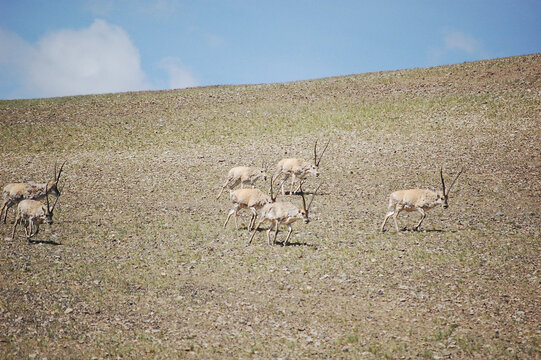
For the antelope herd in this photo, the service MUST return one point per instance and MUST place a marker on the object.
(31, 212)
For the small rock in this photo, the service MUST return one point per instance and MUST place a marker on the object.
(68, 311)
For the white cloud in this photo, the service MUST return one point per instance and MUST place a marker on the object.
(179, 76)
(462, 42)
(457, 46)
(97, 59)
(13, 49)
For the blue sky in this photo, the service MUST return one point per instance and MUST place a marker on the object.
(71, 47)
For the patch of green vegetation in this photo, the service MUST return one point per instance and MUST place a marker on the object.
(444, 334)
(390, 350)
(469, 344)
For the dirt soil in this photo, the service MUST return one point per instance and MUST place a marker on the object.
(138, 265)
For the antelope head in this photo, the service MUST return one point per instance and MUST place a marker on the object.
(444, 193)
(315, 167)
(306, 209)
(48, 217)
(264, 170)
(52, 185)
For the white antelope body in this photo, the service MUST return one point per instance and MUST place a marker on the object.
(253, 199)
(16, 192)
(32, 213)
(298, 169)
(283, 213)
(420, 200)
(242, 175)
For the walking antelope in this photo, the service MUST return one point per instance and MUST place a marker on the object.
(283, 213)
(32, 213)
(420, 200)
(242, 175)
(15, 192)
(298, 168)
(253, 199)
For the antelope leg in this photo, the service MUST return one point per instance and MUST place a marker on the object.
(14, 228)
(275, 233)
(389, 214)
(423, 215)
(397, 211)
(256, 228)
(231, 212)
(293, 178)
(288, 234)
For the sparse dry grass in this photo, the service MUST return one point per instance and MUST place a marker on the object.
(137, 264)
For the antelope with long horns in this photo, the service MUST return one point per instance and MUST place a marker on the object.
(420, 200)
(298, 169)
(32, 213)
(283, 213)
(253, 199)
(16, 192)
(243, 175)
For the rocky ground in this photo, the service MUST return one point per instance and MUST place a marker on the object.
(138, 264)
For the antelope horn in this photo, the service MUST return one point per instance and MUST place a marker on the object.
(450, 187)
(60, 191)
(47, 197)
(323, 152)
(313, 195)
(315, 152)
(302, 195)
(442, 181)
(59, 172)
(273, 199)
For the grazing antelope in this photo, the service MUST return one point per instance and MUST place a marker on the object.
(15, 192)
(298, 168)
(420, 200)
(32, 213)
(283, 213)
(253, 199)
(242, 175)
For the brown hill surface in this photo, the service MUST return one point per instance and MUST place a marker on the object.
(137, 263)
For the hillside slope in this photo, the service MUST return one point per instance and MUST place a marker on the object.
(138, 264)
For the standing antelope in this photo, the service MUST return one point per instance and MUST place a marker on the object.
(242, 175)
(283, 213)
(253, 199)
(32, 213)
(420, 200)
(16, 192)
(298, 168)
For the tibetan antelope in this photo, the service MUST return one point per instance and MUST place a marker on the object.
(242, 175)
(32, 213)
(420, 200)
(253, 199)
(283, 213)
(298, 169)
(15, 192)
